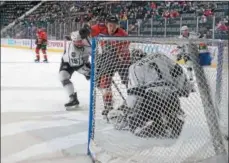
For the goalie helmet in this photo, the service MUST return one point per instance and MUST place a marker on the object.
(137, 54)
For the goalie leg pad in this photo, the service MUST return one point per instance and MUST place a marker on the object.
(174, 115)
(155, 114)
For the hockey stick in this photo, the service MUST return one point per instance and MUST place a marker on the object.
(117, 88)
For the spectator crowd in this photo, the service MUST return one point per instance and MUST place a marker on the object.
(134, 11)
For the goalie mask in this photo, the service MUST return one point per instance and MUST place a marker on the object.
(137, 54)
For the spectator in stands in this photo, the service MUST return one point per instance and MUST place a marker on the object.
(208, 12)
(123, 20)
(136, 12)
(203, 19)
(221, 29)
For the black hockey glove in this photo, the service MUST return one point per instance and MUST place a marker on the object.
(85, 31)
(88, 75)
(88, 65)
(67, 38)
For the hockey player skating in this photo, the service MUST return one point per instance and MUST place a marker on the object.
(41, 42)
(114, 58)
(75, 58)
(152, 106)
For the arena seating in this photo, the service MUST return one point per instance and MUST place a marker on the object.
(11, 10)
(144, 13)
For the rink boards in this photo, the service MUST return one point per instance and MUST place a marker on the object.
(58, 46)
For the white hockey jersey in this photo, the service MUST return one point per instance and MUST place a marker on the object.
(155, 69)
(192, 35)
(182, 48)
(76, 56)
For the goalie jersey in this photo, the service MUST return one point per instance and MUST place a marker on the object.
(159, 72)
(76, 56)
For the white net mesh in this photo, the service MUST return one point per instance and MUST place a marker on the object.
(148, 107)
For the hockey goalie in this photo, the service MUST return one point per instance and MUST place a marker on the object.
(152, 107)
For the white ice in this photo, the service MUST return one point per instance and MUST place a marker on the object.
(35, 126)
(194, 142)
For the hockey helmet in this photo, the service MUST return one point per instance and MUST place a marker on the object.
(112, 19)
(137, 54)
(184, 31)
(184, 28)
(76, 39)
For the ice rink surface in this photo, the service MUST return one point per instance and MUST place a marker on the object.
(35, 128)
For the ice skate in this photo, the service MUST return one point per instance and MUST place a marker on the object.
(37, 60)
(45, 60)
(73, 103)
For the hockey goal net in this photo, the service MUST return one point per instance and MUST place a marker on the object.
(205, 109)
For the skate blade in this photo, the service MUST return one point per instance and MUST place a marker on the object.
(72, 108)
